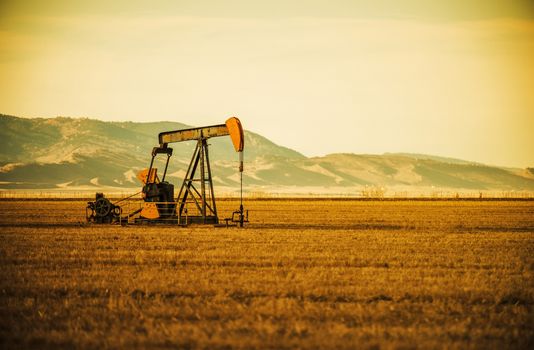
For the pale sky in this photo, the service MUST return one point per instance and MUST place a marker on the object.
(454, 78)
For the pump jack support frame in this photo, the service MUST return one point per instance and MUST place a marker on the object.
(204, 200)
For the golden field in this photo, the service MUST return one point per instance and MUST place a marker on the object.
(303, 274)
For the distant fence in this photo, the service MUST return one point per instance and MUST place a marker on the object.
(360, 194)
(62, 194)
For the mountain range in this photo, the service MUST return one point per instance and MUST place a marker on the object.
(82, 153)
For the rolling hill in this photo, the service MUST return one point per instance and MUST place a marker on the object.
(46, 153)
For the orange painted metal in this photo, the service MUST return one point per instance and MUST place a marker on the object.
(143, 176)
(150, 211)
(236, 133)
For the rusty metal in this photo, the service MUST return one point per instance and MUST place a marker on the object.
(102, 211)
(204, 200)
(192, 134)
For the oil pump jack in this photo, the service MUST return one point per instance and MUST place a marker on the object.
(195, 203)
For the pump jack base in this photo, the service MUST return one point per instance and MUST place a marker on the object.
(175, 221)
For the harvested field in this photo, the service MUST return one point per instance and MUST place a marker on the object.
(303, 274)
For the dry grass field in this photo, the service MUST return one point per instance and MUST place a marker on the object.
(303, 274)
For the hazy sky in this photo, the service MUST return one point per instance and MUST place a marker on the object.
(452, 78)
